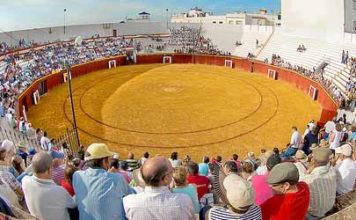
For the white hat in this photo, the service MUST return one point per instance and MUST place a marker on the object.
(344, 149)
(239, 192)
(98, 151)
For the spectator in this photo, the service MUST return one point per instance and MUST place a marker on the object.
(115, 168)
(335, 137)
(294, 144)
(145, 157)
(310, 138)
(58, 166)
(301, 162)
(181, 186)
(230, 167)
(174, 160)
(219, 160)
(203, 167)
(235, 158)
(262, 169)
(241, 198)
(321, 180)
(99, 193)
(66, 183)
(201, 182)
(248, 170)
(346, 170)
(291, 197)
(131, 162)
(81, 152)
(45, 142)
(157, 202)
(260, 184)
(44, 198)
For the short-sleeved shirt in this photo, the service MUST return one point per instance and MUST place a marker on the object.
(220, 213)
(203, 169)
(201, 182)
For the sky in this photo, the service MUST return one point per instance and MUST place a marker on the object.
(28, 14)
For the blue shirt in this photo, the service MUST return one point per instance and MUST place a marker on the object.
(99, 194)
(190, 191)
(203, 169)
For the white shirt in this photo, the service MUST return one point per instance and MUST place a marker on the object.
(261, 170)
(45, 143)
(322, 186)
(175, 163)
(336, 142)
(158, 203)
(346, 176)
(295, 140)
(45, 199)
(329, 126)
(301, 167)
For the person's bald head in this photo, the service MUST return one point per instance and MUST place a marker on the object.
(157, 171)
(41, 162)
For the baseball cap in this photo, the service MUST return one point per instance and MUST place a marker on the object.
(239, 192)
(344, 149)
(283, 172)
(97, 151)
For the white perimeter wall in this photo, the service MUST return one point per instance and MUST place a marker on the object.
(322, 19)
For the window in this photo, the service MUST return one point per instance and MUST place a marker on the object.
(214, 22)
(220, 22)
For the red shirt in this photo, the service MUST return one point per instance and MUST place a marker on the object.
(201, 182)
(67, 186)
(291, 206)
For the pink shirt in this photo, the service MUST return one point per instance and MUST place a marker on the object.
(263, 190)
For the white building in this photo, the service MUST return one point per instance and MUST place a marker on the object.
(197, 15)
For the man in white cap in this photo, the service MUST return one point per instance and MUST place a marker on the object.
(346, 171)
(241, 198)
(99, 193)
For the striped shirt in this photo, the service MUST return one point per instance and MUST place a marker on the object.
(322, 186)
(220, 213)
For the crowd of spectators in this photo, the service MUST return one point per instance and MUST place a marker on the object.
(301, 181)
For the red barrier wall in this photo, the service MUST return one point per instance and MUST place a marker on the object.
(329, 107)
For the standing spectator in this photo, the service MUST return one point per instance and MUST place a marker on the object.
(343, 57)
(201, 182)
(99, 193)
(157, 202)
(260, 184)
(241, 197)
(131, 162)
(115, 168)
(321, 180)
(44, 198)
(181, 186)
(346, 170)
(203, 167)
(230, 167)
(294, 144)
(335, 137)
(174, 160)
(291, 199)
(57, 166)
(66, 183)
(81, 152)
(45, 142)
(219, 160)
(310, 138)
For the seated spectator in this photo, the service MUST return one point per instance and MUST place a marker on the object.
(174, 160)
(201, 182)
(115, 168)
(310, 138)
(230, 167)
(291, 199)
(157, 202)
(203, 167)
(181, 186)
(99, 193)
(248, 170)
(260, 183)
(301, 160)
(346, 170)
(146, 155)
(294, 144)
(66, 183)
(44, 198)
(262, 169)
(58, 166)
(235, 158)
(321, 180)
(131, 162)
(18, 164)
(4, 165)
(241, 198)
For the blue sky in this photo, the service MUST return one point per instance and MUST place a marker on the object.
(24, 14)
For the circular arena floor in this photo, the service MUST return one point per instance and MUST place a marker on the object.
(193, 109)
